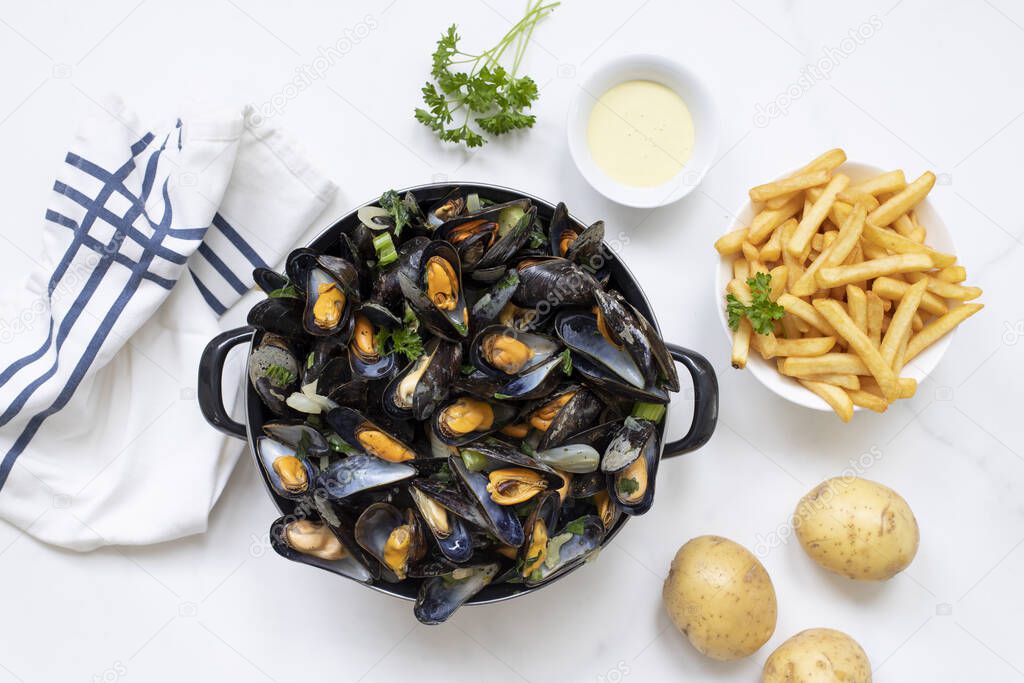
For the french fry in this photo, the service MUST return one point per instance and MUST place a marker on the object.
(828, 364)
(901, 354)
(919, 234)
(794, 266)
(848, 237)
(804, 348)
(908, 386)
(764, 344)
(848, 382)
(872, 251)
(867, 270)
(946, 290)
(894, 242)
(900, 325)
(938, 328)
(954, 274)
(741, 344)
(865, 399)
(773, 247)
(740, 290)
(811, 220)
(904, 225)
(860, 344)
(894, 290)
(876, 311)
(741, 269)
(789, 185)
(769, 219)
(837, 398)
(806, 312)
(731, 243)
(903, 201)
(883, 183)
(778, 274)
(857, 307)
(828, 162)
(753, 256)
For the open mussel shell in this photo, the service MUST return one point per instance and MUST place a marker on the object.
(478, 383)
(612, 387)
(364, 355)
(443, 511)
(298, 435)
(313, 542)
(564, 413)
(632, 488)
(395, 540)
(468, 418)
(537, 529)
(281, 316)
(663, 359)
(513, 235)
(536, 382)
(493, 454)
(358, 473)
(289, 476)
(436, 295)
(500, 520)
(440, 596)
(489, 237)
(581, 332)
(587, 485)
(627, 445)
(416, 391)
(386, 290)
(501, 350)
(570, 547)
(555, 281)
(365, 436)
(332, 293)
(568, 240)
(446, 208)
(274, 372)
(619, 322)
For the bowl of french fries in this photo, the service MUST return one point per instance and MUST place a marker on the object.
(841, 285)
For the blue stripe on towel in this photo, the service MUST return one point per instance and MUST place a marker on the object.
(222, 268)
(239, 242)
(208, 296)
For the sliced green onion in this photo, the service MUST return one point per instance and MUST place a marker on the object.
(473, 460)
(508, 217)
(472, 202)
(385, 248)
(648, 411)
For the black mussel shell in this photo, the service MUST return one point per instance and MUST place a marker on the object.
(373, 528)
(607, 384)
(470, 410)
(623, 493)
(334, 277)
(445, 209)
(586, 534)
(505, 352)
(587, 485)
(440, 596)
(489, 306)
(416, 391)
(364, 354)
(274, 372)
(627, 445)
(546, 512)
(581, 333)
(500, 455)
(273, 456)
(578, 414)
(281, 316)
(270, 281)
(454, 542)
(298, 435)
(552, 282)
(358, 473)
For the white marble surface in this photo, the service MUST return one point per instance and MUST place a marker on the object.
(937, 85)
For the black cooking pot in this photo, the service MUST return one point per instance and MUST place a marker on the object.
(705, 383)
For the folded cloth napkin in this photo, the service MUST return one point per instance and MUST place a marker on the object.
(101, 439)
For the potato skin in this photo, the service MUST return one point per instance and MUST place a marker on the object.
(818, 655)
(857, 528)
(720, 596)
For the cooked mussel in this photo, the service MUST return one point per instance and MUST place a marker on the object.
(500, 520)
(366, 436)
(631, 485)
(424, 383)
(365, 355)
(443, 511)
(313, 542)
(289, 476)
(358, 473)
(582, 333)
(331, 286)
(571, 546)
(394, 539)
(468, 418)
(298, 435)
(568, 239)
(436, 296)
(539, 525)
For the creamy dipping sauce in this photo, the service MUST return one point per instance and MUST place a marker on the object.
(640, 133)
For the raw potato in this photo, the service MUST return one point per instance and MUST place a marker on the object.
(818, 655)
(857, 528)
(720, 597)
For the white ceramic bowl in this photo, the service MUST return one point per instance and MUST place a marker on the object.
(672, 75)
(766, 371)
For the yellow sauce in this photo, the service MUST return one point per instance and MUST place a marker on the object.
(640, 133)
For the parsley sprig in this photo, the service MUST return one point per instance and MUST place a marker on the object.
(405, 340)
(495, 98)
(761, 312)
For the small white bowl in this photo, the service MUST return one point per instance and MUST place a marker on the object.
(672, 75)
(766, 372)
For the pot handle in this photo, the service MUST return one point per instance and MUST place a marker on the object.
(211, 370)
(705, 402)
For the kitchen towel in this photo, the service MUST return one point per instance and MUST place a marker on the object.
(150, 236)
